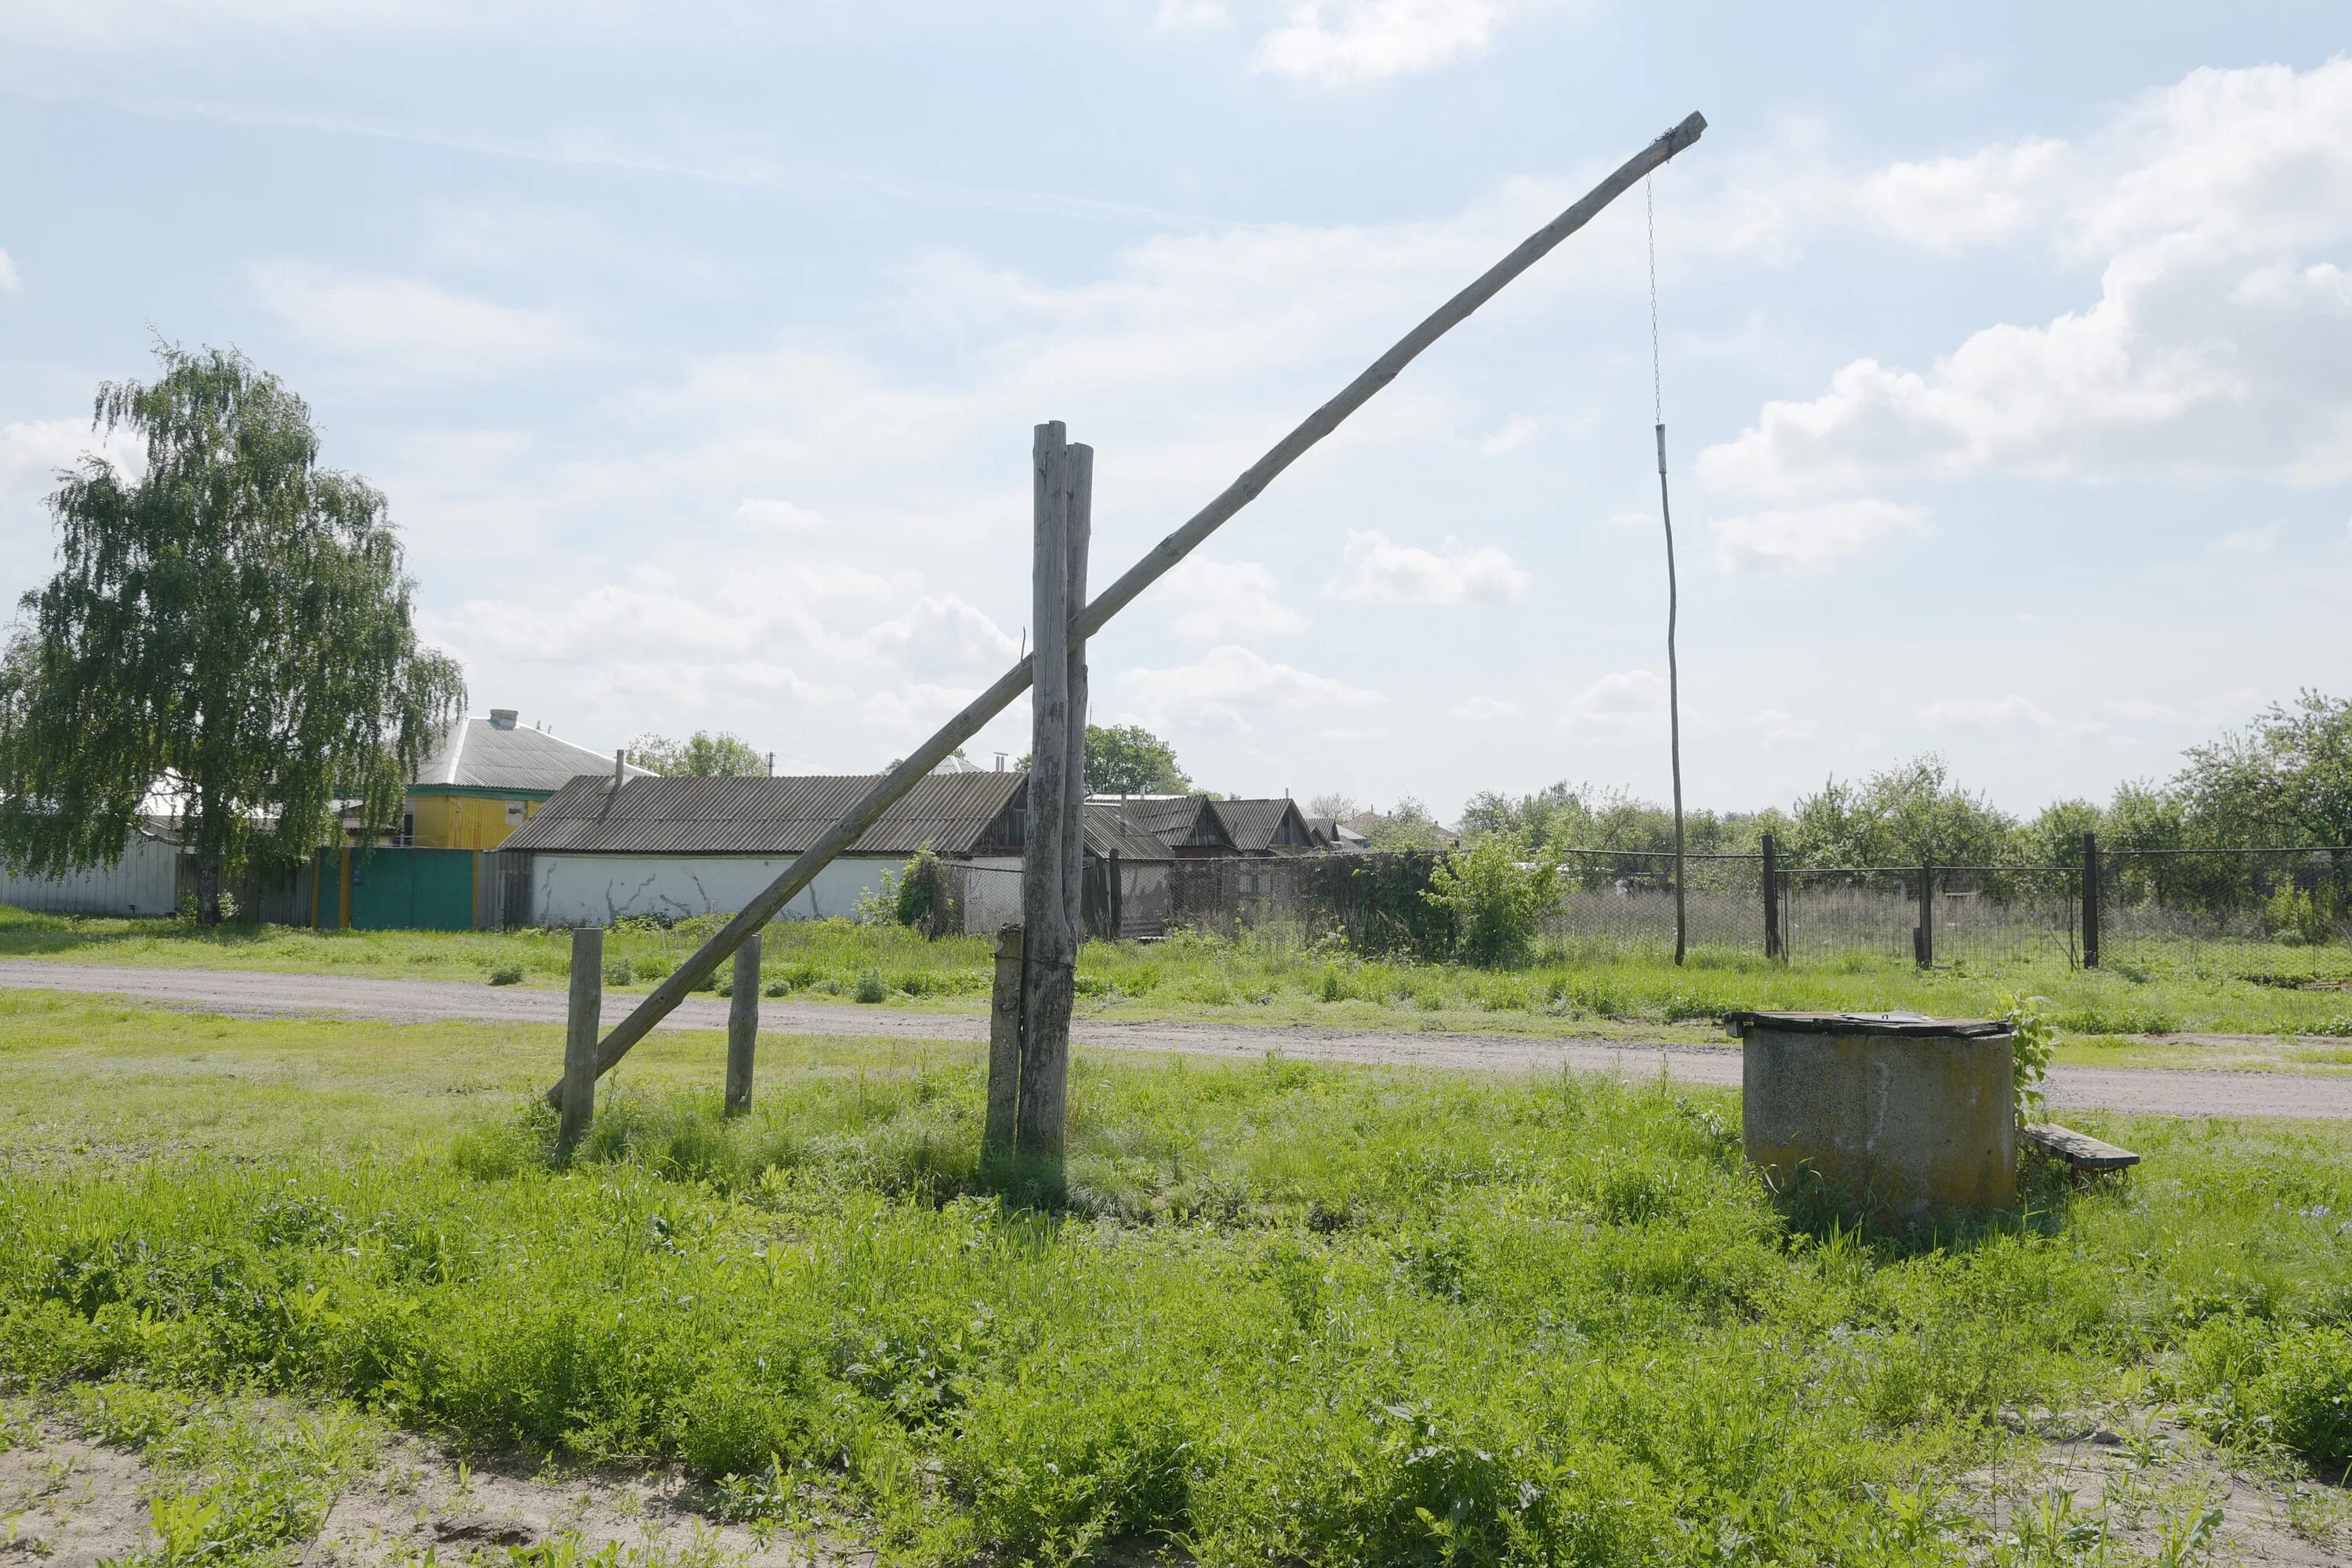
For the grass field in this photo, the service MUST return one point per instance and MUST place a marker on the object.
(1294, 1314)
(1268, 979)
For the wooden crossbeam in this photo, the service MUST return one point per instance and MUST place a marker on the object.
(682, 981)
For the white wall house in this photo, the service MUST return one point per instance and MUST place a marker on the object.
(674, 848)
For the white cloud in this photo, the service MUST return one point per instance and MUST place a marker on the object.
(2246, 541)
(1806, 541)
(1183, 16)
(1516, 433)
(1227, 600)
(408, 328)
(939, 634)
(778, 516)
(1336, 41)
(1626, 705)
(2215, 347)
(1949, 203)
(1234, 690)
(1633, 522)
(33, 450)
(1778, 729)
(2012, 715)
(1379, 570)
(1485, 710)
(10, 281)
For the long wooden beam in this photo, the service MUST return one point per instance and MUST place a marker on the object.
(682, 981)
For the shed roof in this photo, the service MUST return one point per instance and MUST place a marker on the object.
(1258, 826)
(1110, 828)
(954, 814)
(1182, 820)
(497, 753)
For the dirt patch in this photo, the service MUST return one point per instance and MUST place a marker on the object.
(2145, 1484)
(67, 1502)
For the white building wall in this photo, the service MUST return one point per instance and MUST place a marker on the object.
(595, 889)
(142, 883)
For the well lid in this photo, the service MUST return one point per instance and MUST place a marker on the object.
(1911, 1026)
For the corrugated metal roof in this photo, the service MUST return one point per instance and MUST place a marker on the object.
(951, 813)
(484, 754)
(1109, 827)
(1259, 826)
(1179, 819)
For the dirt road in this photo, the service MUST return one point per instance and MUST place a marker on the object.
(253, 994)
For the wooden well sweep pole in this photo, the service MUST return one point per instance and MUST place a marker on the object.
(1155, 564)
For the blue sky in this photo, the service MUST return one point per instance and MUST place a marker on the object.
(2007, 359)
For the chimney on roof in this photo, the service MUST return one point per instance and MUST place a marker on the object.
(503, 718)
(616, 769)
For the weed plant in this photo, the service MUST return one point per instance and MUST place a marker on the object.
(1291, 1314)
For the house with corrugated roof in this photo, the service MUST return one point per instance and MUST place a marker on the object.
(673, 847)
(488, 775)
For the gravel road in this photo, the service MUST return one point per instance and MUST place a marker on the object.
(255, 994)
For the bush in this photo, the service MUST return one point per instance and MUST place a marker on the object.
(1498, 896)
(777, 988)
(507, 974)
(617, 972)
(871, 987)
(2263, 1386)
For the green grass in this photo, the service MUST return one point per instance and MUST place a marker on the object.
(1293, 1314)
(1274, 979)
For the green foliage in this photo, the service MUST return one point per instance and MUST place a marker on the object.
(1128, 759)
(2286, 778)
(2033, 1044)
(232, 628)
(1564, 816)
(1293, 1314)
(2261, 1383)
(1905, 816)
(1498, 897)
(704, 754)
(1407, 825)
(2292, 915)
(903, 896)
(510, 974)
(871, 987)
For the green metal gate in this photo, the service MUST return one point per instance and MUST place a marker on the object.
(412, 890)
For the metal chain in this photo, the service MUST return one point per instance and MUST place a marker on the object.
(1658, 376)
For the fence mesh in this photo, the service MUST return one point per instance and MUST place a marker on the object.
(2282, 916)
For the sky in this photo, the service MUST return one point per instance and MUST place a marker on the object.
(2005, 355)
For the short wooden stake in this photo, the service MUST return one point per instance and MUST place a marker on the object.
(742, 1028)
(587, 1005)
(999, 1136)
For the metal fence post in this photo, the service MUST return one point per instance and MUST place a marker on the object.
(2090, 900)
(586, 1009)
(1772, 944)
(1923, 939)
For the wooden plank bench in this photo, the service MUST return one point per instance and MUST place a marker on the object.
(2079, 1150)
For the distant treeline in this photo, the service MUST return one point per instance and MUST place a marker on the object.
(2286, 779)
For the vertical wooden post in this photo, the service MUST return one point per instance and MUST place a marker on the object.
(587, 1002)
(1050, 943)
(1079, 525)
(742, 1026)
(2091, 910)
(1923, 939)
(998, 1135)
(1772, 944)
